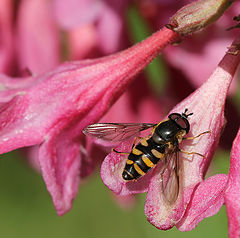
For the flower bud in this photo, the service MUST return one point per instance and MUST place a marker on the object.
(197, 15)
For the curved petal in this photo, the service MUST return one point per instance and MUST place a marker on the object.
(6, 32)
(74, 88)
(54, 110)
(11, 87)
(232, 195)
(73, 13)
(82, 41)
(7, 82)
(111, 173)
(159, 212)
(109, 30)
(16, 128)
(60, 162)
(207, 104)
(206, 200)
(37, 47)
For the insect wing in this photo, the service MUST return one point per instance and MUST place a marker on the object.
(116, 132)
(170, 178)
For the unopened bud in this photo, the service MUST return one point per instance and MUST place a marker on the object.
(197, 15)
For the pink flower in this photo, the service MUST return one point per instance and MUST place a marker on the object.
(6, 32)
(104, 18)
(207, 104)
(38, 39)
(51, 110)
(232, 193)
(82, 41)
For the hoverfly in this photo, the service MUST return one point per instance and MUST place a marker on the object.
(161, 145)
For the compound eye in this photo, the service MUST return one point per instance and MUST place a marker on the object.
(157, 139)
(183, 123)
(180, 120)
(174, 116)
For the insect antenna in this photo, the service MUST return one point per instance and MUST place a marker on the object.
(184, 114)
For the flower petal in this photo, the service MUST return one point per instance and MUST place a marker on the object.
(53, 111)
(11, 87)
(160, 213)
(72, 90)
(6, 32)
(109, 30)
(207, 104)
(111, 173)
(37, 47)
(232, 194)
(59, 159)
(15, 129)
(206, 201)
(82, 41)
(73, 13)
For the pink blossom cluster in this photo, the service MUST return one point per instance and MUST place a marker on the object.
(45, 103)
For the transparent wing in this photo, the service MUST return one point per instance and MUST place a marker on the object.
(116, 132)
(170, 178)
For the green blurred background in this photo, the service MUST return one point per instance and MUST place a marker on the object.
(26, 209)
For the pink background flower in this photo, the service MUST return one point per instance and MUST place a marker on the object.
(232, 191)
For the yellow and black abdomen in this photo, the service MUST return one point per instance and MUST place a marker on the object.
(142, 158)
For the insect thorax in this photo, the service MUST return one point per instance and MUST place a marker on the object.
(168, 131)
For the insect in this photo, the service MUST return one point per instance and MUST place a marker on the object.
(161, 145)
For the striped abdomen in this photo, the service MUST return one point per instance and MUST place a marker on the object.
(142, 158)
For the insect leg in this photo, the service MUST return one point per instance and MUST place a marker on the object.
(133, 146)
(138, 138)
(194, 137)
(192, 153)
(119, 152)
